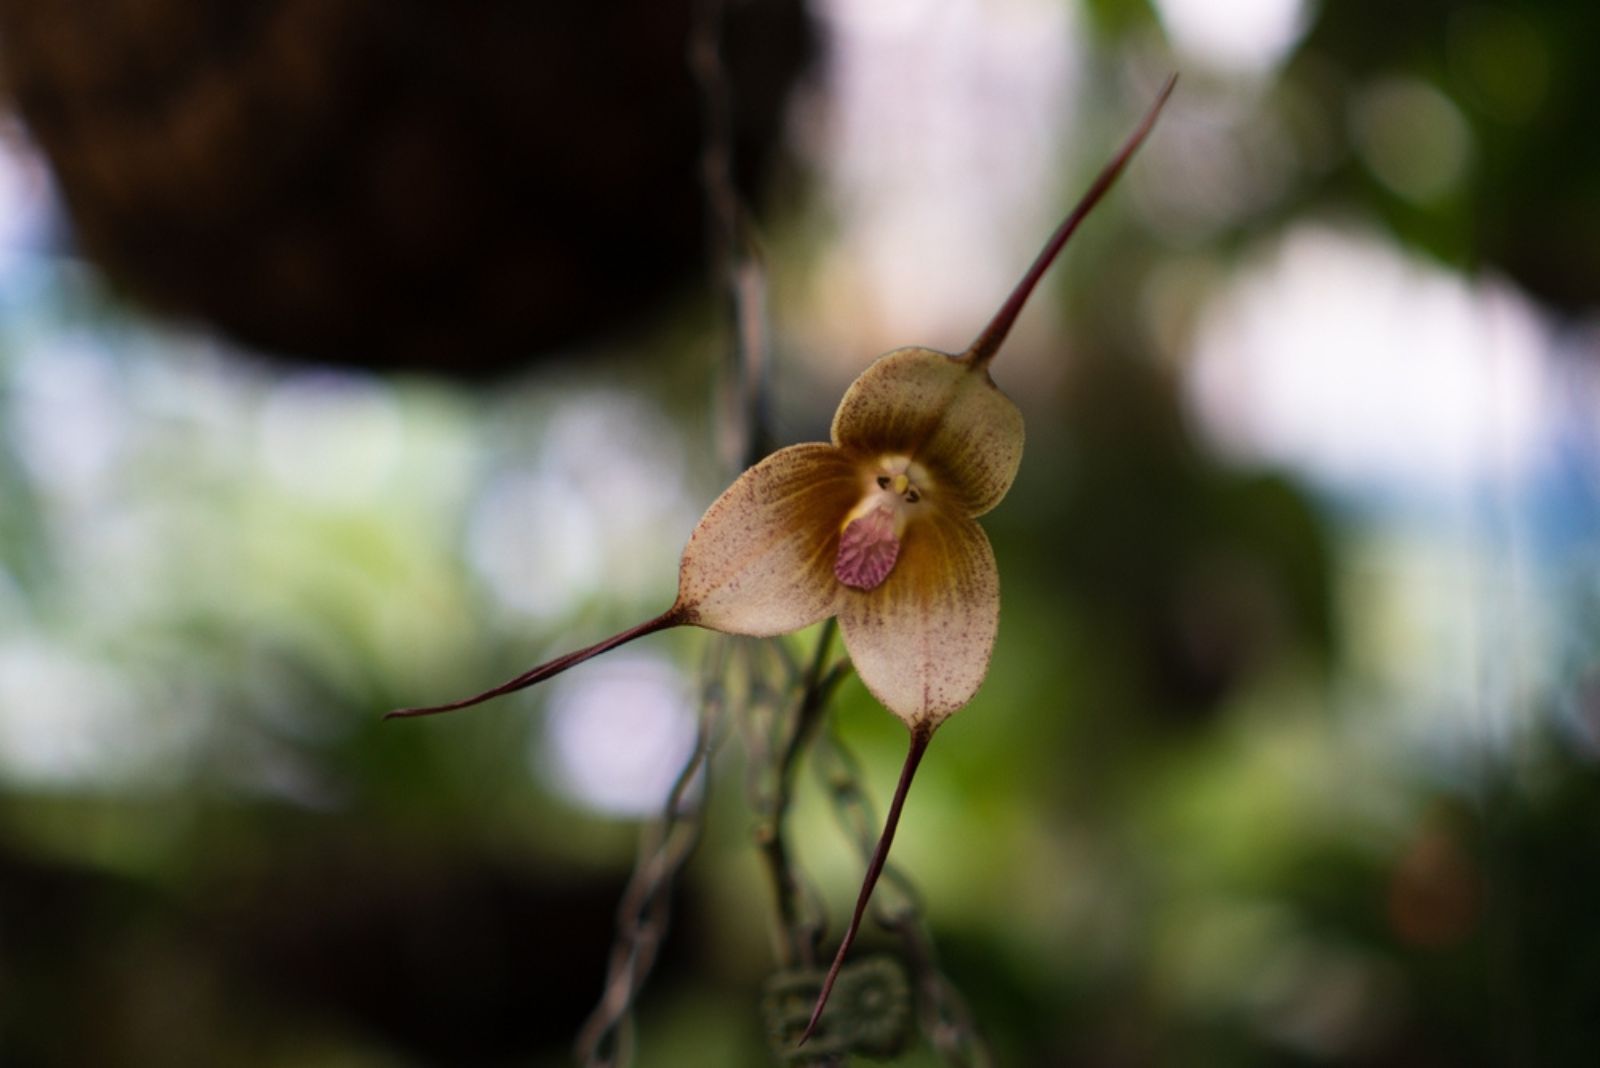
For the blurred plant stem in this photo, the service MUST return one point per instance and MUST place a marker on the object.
(779, 705)
(646, 908)
(738, 276)
(771, 788)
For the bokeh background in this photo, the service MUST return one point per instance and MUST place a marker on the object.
(360, 354)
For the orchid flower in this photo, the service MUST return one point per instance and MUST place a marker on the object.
(878, 528)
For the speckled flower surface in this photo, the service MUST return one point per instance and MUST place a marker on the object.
(877, 528)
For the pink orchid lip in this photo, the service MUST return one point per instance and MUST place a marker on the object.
(869, 542)
(868, 548)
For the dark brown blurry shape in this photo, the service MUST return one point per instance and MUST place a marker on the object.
(443, 956)
(1435, 891)
(457, 188)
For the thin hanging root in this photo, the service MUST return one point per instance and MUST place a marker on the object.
(673, 617)
(920, 736)
(988, 343)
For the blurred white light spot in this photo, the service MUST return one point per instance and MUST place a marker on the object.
(69, 416)
(1244, 36)
(68, 721)
(603, 510)
(617, 733)
(27, 202)
(940, 139)
(1412, 137)
(1370, 370)
(332, 437)
(533, 547)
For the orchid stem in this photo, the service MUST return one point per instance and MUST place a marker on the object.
(920, 736)
(673, 617)
(799, 935)
(988, 343)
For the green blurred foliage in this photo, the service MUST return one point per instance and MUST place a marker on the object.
(1522, 75)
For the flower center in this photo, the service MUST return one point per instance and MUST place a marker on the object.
(869, 543)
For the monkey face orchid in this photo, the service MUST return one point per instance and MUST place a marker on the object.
(877, 527)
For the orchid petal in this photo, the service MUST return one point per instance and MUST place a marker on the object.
(943, 413)
(761, 560)
(921, 641)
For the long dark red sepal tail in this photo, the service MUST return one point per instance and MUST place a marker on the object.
(988, 342)
(671, 618)
(919, 745)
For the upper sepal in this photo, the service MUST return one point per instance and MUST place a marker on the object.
(946, 415)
